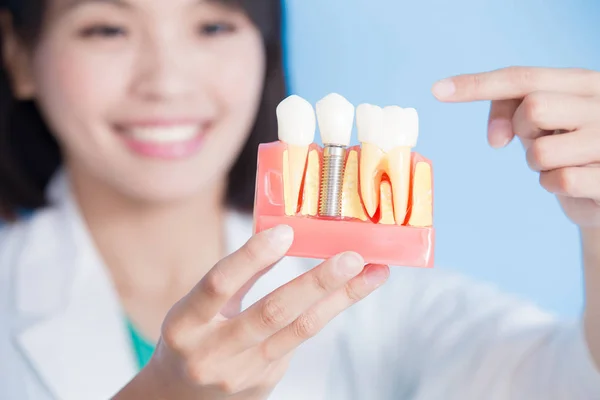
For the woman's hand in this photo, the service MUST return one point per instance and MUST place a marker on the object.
(203, 354)
(556, 114)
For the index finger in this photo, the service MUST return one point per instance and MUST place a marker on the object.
(516, 83)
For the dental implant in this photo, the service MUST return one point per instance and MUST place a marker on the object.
(335, 117)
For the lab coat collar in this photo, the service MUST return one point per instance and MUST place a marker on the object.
(76, 339)
(74, 333)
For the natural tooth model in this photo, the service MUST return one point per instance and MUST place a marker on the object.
(310, 192)
(387, 137)
(375, 199)
(401, 128)
(335, 115)
(369, 125)
(421, 213)
(297, 124)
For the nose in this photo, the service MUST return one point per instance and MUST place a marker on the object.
(161, 71)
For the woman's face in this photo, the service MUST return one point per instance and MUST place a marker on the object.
(152, 98)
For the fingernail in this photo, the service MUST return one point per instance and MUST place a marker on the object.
(500, 132)
(281, 236)
(350, 264)
(444, 88)
(375, 275)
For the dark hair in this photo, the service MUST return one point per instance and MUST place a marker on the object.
(29, 154)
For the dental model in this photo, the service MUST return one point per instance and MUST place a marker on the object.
(296, 127)
(375, 198)
(336, 117)
(387, 137)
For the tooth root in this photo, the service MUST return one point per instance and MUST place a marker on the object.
(294, 162)
(370, 176)
(351, 204)
(296, 124)
(421, 214)
(310, 195)
(386, 205)
(398, 169)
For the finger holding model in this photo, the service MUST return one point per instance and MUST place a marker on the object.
(205, 352)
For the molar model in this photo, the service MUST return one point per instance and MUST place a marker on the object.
(375, 199)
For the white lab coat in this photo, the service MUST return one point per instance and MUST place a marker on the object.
(426, 335)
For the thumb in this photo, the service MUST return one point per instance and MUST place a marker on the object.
(500, 128)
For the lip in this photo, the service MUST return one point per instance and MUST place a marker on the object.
(160, 148)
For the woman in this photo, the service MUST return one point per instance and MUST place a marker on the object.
(145, 235)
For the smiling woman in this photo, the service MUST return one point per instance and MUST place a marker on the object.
(125, 46)
(131, 128)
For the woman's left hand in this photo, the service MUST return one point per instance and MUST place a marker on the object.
(556, 115)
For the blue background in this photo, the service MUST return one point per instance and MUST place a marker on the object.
(493, 220)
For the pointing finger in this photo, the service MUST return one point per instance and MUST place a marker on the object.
(516, 83)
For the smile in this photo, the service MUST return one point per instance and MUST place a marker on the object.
(164, 141)
(168, 134)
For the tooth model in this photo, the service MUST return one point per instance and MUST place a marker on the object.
(387, 137)
(375, 198)
(296, 126)
(336, 117)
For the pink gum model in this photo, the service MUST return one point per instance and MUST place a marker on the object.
(315, 237)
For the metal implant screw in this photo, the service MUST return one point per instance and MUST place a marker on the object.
(330, 196)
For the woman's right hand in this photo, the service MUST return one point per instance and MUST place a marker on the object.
(203, 354)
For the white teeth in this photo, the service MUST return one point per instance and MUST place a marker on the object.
(387, 136)
(163, 134)
(296, 121)
(387, 128)
(336, 118)
(369, 123)
(400, 126)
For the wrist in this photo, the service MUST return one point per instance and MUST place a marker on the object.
(590, 231)
(145, 385)
(590, 241)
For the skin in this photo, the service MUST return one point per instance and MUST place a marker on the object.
(203, 354)
(207, 348)
(554, 113)
(530, 104)
(98, 69)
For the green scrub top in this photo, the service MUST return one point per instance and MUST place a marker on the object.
(142, 347)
